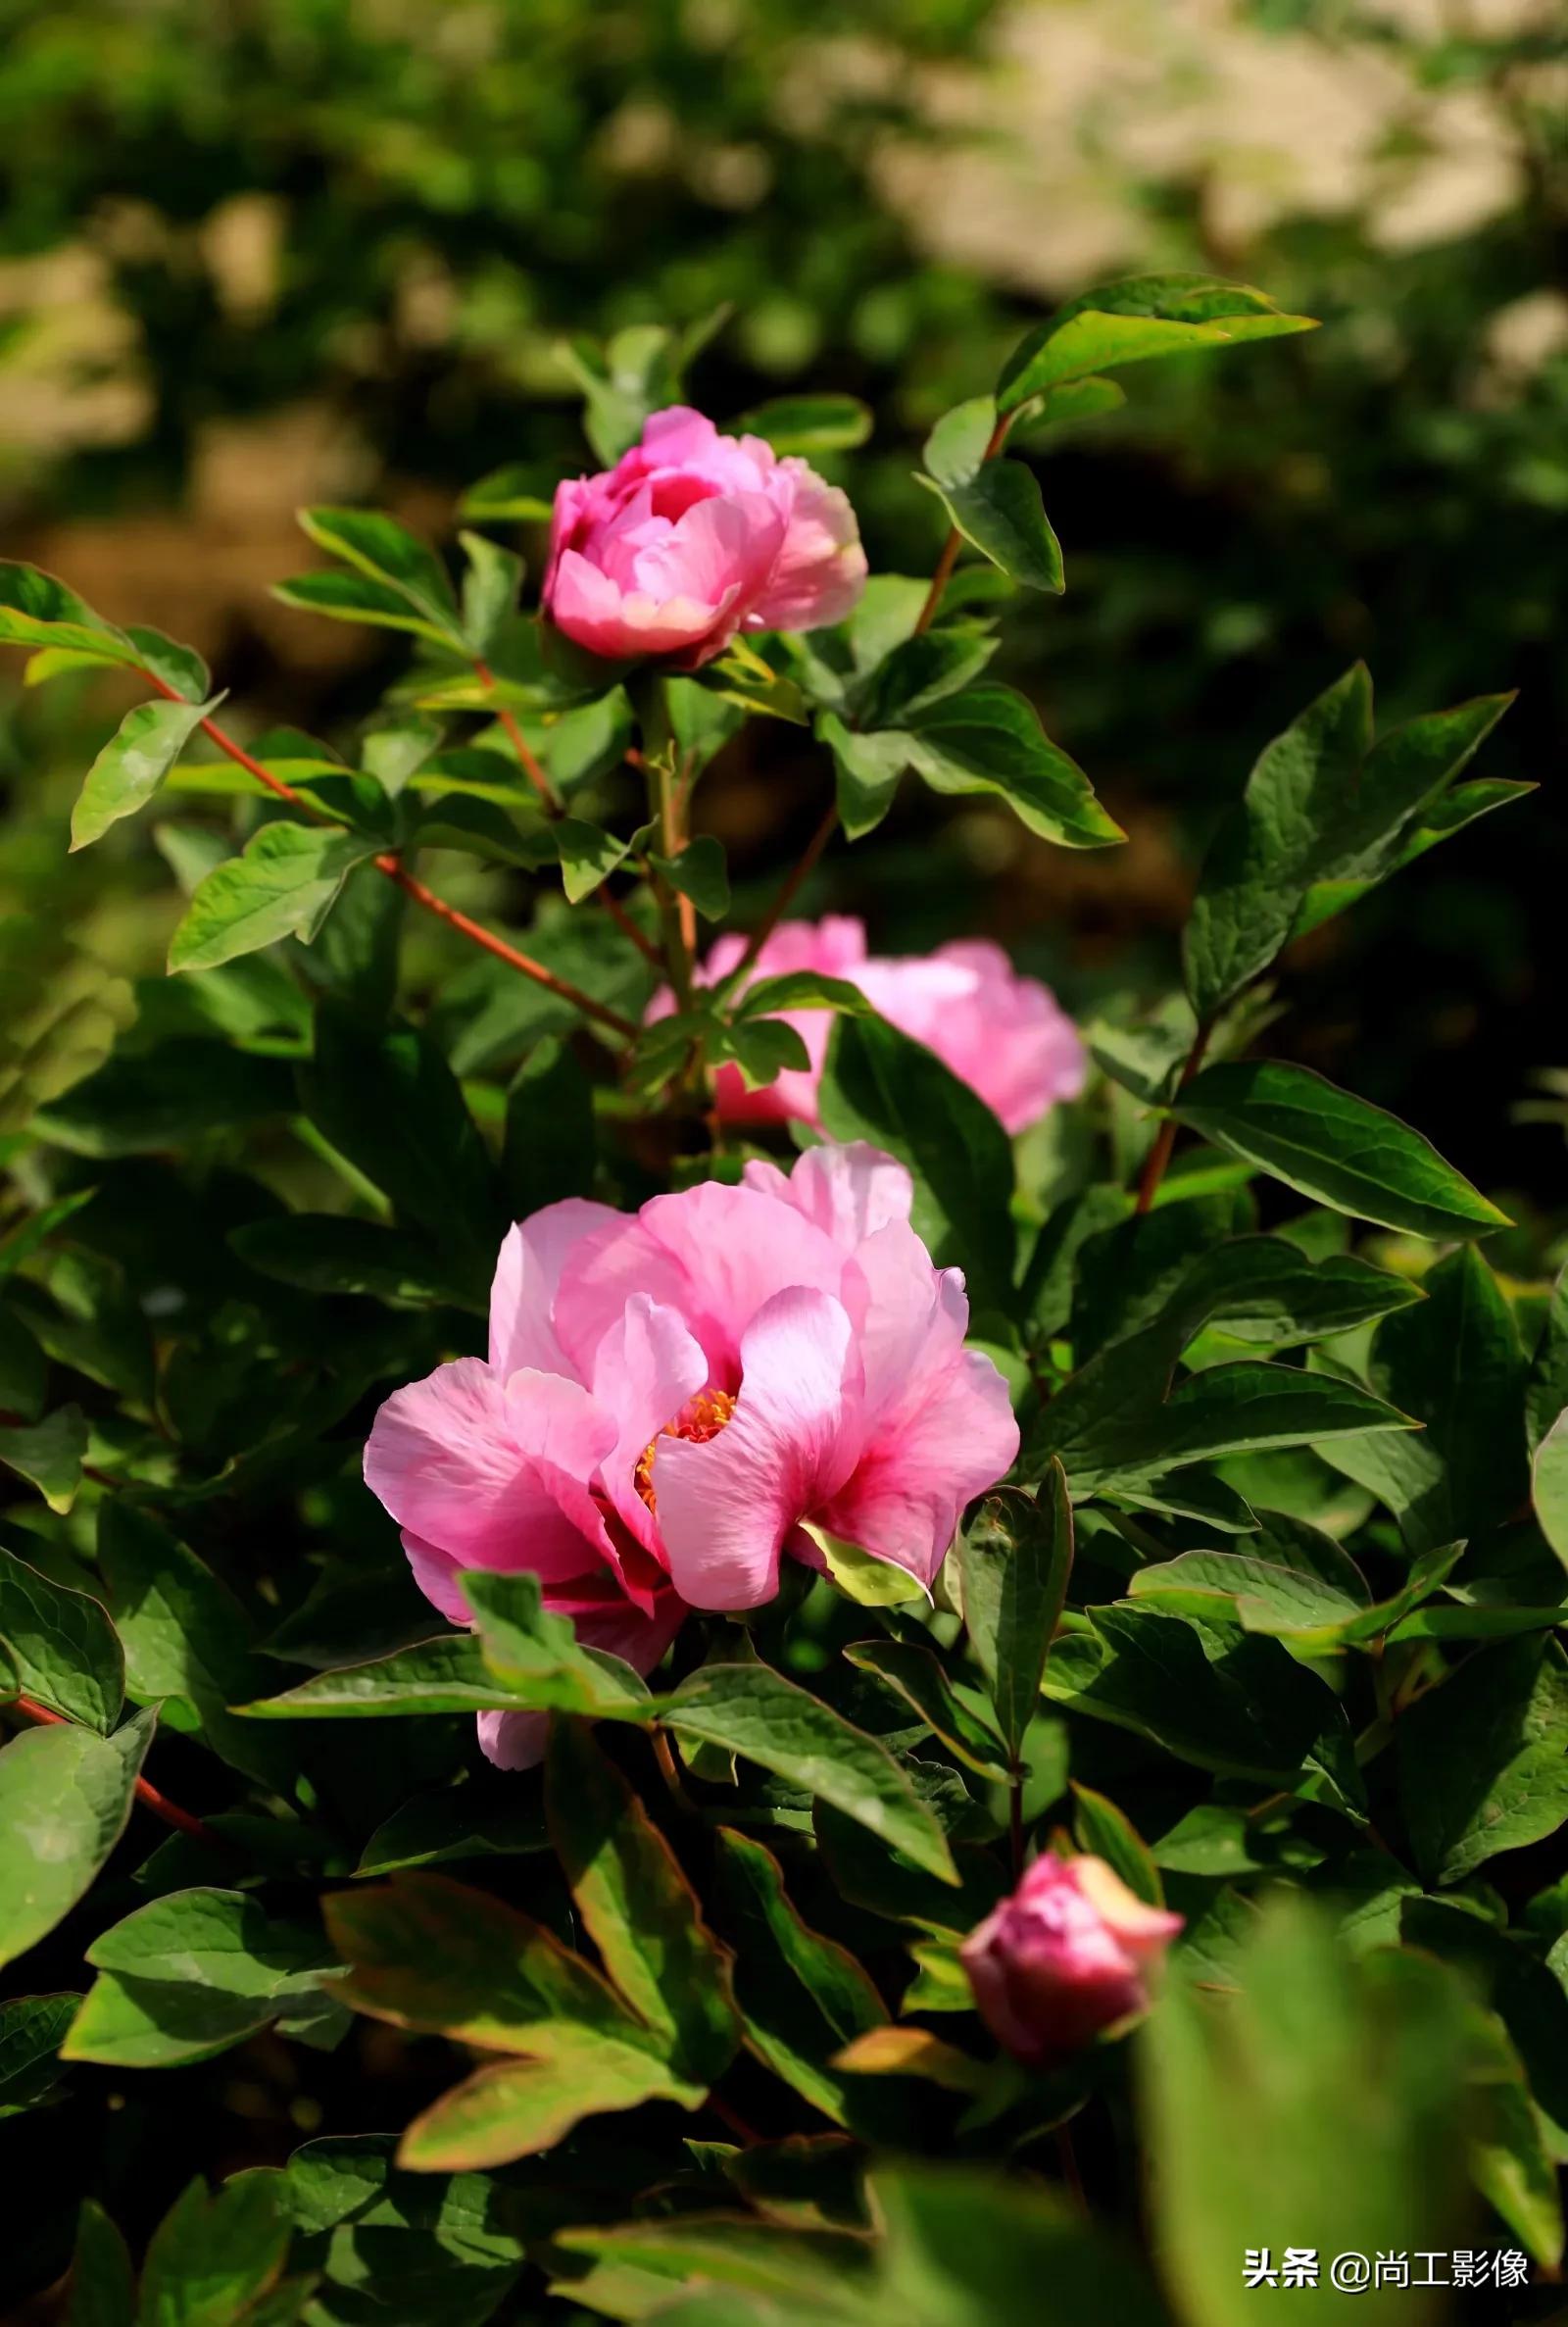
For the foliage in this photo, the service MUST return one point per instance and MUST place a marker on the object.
(676, 2027)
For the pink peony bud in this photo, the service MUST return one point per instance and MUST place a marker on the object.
(693, 536)
(1070, 1953)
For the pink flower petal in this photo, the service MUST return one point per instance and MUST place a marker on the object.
(728, 1507)
(848, 1192)
(523, 1292)
(494, 1474)
(647, 1366)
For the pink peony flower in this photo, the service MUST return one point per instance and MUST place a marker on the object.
(693, 536)
(672, 1397)
(1070, 1953)
(1004, 1035)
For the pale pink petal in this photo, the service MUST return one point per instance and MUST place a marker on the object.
(822, 567)
(513, 1741)
(527, 1273)
(848, 1192)
(736, 1248)
(728, 1507)
(589, 608)
(910, 1488)
(436, 1573)
(647, 1367)
(495, 1474)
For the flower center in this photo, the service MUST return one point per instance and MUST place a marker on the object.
(701, 1419)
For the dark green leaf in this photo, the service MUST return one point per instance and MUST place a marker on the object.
(49, 1454)
(38, 611)
(807, 424)
(916, 1675)
(31, 2030)
(1016, 1562)
(989, 739)
(701, 873)
(390, 556)
(62, 1647)
(211, 2259)
(1337, 1149)
(750, 1710)
(1000, 512)
(882, 1086)
(1482, 1760)
(639, 1909)
(101, 2290)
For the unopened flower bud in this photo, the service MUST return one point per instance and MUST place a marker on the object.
(1072, 1951)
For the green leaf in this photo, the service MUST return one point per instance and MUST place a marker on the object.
(31, 2030)
(1548, 1486)
(23, 1368)
(1226, 1409)
(1264, 857)
(752, 1710)
(966, 2246)
(284, 885)
(490, 588)
(131, 765)
(432, 1955)
(1337, 1149)
(916, 1675)
(388, 1100)
(1511, 2161)
(1107, 1833)
(1128, 321)
(1455, 1365)
(880, 1085)
(1016, 1562)
(1239, 1706)
(184, 1635)
(190, 1975)
(547, 1150)
(444, 1675)
(588, 855)
(804, 1996)
(516, 2109)
(538, 1655)
(330, 1253)
(1482, 1760)
(1248, 2109)
(38, 611)
(148, 1101)
(49, 1454)
(700, 873)
(956, 448)
(356, 598)
(999, 512)
(211, 2259)
(807, 424)
(431, 2251)
(391, 556)
(450, 1824)
(639, 1909)
(65, 1796)
(989, 739)
(869, 769)
(1262, 1594)
(62, 1647)
(101, 2289)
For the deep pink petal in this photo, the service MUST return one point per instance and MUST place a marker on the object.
(908, 1493)
(647, 1367)
(728, 1507)
(736, 1248)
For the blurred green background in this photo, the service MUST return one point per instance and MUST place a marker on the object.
(274, 251)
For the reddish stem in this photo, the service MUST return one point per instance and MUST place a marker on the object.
(518, 741)
(147, 1793)
(799, 874)
(746, 2135)
(1159, 1156)
(390, 865)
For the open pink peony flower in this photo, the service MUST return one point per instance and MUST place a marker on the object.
(1070, 1953)
(693, 536)
(672, 1397)
(1004, 1035)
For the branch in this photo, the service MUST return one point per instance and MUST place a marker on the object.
(182, 1820)
(1159, 1156)
(390, 865)
(800, 873)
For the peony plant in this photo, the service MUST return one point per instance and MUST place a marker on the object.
(961, 1606)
